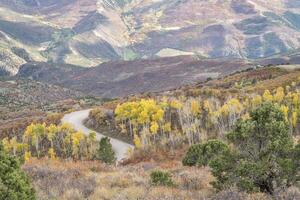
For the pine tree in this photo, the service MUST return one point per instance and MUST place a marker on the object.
(14, 184)
(105, 152)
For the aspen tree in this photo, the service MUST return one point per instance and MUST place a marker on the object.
(267, 96)
(279, 95)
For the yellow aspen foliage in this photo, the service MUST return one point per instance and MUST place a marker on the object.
(137, 141)
(6, 145)
(21, 147)
(257, 100)
(51, 154)
(176, 104)
(294, 119)
(279, 95)
(77, 138)
(287, 88)
(52, 128)
(246, 116)
(207, 106)
(118, 110)
(66, 127)
(30, 128)
(27, 156)
(29, 132)
(294, 84)
(267, 96)
(51, 131)
(295, 99)
(154, 127)
(159, 115)
(289, 97)
(224, 110)
(167, 127)
(195, 107)
(285, 111)
(235, 105)
(143, 117)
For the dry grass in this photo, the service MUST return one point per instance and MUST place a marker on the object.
(280, 81)
(68, 180)
(234, 194)
(58, 180)
(91, 180)
(157, 154)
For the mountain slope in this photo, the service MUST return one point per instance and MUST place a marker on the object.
(121, 78)
(90, 32)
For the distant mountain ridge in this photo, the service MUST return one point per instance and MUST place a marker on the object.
(90, 32)
(123, 78)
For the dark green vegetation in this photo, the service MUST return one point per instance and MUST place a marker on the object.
(14, 184)
(201, 154)
(161, 178)
(105, 152)
(263, 157)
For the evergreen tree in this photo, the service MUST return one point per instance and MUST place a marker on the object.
(105, 152)
(263, 156)
(14, 184)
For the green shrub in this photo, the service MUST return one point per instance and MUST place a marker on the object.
(14, 184)
(192, 156)
(201, 154)
(263, 157)
(160, 178)
(105, 152)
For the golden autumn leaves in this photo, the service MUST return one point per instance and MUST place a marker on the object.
(169, 120)
(40, 140)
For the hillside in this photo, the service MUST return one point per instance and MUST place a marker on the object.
(25, 101)
(90, 32)
(165, 128)
(150, 99)
(119, 78)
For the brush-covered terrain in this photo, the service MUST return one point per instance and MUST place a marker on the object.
(165, 99)
(182, 139)
(90, 32)
(23, 101)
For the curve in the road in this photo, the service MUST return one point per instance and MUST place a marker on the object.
(76, 119)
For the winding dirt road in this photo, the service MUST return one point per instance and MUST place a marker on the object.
(77, 118)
